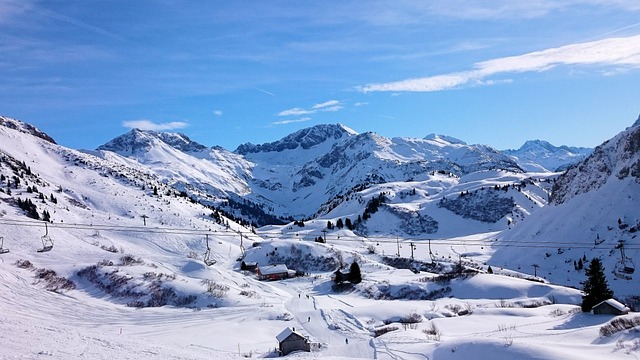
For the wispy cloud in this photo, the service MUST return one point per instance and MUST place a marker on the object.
(70, 20)
(150, 125)
(291, 121)
(264, 91)
(217, 112)
(327, 106)
(609, 53)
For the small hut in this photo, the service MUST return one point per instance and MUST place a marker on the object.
(610, 307)
(273, 272)
(289, 340)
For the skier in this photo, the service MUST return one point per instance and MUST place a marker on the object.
(346, 341)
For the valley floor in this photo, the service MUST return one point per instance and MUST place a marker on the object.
(36, 323)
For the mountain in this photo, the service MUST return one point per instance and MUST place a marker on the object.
(593, 212)
(25, 128)
(182, 163)
(125, 276)
(541, 156)
(315, 166)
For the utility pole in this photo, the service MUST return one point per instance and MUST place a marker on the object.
(535, 270)
(324, 235)
(412, 248)
(398, 245)
(144, 219)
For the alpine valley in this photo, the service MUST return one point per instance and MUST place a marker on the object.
(147, 247)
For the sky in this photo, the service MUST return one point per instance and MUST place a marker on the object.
(230, 72)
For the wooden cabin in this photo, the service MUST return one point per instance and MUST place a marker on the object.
(610, 307)
(289, 340)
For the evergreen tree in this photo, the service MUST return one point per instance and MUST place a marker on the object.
(348, 224)
(489, 270)
(339, 224)
(596, 288)
(338, 279)
(355, 276)
(329, 225)
(155, 190)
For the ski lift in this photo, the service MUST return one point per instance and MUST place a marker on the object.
(47, 242)
(2, 249)
(208, 260)
(625, 267)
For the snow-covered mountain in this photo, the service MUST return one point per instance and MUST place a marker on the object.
(593, 212)
(541, 156)
(125, 276)
(182, 163)
(311, 167)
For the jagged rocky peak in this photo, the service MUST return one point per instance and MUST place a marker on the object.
(617, 158)
(25, 128)
(637, 123)
(136, 141)
(444, 138)
(305, 139)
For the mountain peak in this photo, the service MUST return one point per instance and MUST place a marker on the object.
(637, 123)
(136, 141)
(444, 138)
(25, 128)
(305, 139)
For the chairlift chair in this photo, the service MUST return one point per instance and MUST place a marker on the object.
(47, 242)
(208, 260)
(2, 249)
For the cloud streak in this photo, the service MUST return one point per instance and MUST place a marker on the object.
(291, 121)
(621, 52)
(144, 124)
(327, 106)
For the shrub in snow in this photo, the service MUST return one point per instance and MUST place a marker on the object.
(383, 330)
(51, 280)
(147, 291)
(619, 324)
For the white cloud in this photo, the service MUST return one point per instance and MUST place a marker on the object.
(217, 112)
(290, 121)
(150, 125)
(330, 103)
(295, 112)
(612, 52)
(327, 106)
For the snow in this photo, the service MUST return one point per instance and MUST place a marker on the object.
(99, 209)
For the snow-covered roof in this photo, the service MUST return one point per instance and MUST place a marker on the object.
(615, 304)
(273, 269)
(286, 333)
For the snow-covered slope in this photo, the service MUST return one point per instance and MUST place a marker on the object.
(593, 212)
(183, 163)
(539, 156)
(125, 277)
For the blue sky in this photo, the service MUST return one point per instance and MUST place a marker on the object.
(494, 72)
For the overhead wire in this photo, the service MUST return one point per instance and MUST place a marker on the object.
(270, 235)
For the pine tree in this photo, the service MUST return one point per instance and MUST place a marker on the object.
(596, 288)
(338, 279)
(489, 270)
(339, 224)
(355, 276)
(348, 224)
